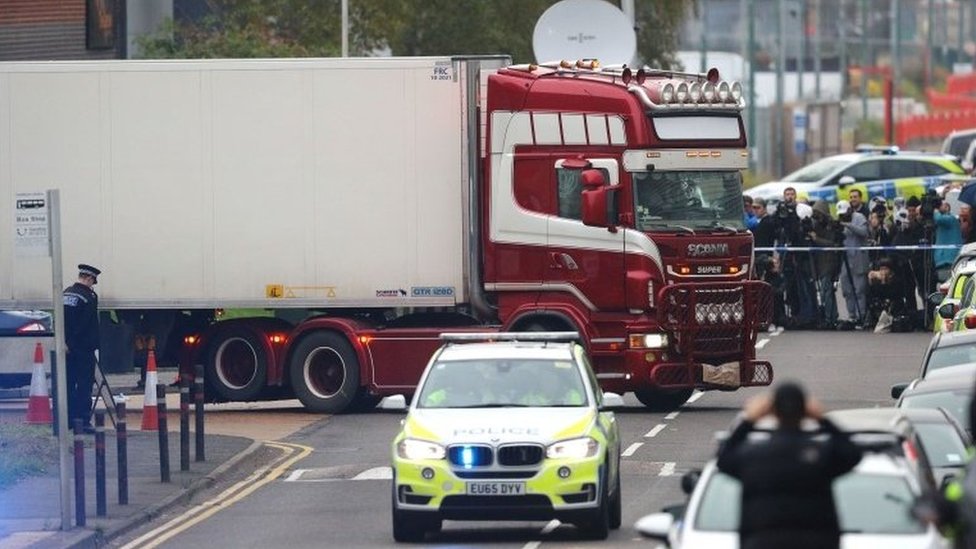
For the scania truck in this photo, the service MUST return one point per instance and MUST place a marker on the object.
(310, 227)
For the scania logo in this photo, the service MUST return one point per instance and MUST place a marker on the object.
(707, 250)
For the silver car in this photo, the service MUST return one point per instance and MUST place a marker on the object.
(873, 501)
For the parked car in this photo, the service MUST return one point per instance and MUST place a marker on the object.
(951, 390)
(948, 349)
(507, 427)
(20, 332)
(950, 295)
(958, 141)
(876, 171)
(873, 507)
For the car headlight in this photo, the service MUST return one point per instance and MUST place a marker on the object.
(574, 448)
(411, 448)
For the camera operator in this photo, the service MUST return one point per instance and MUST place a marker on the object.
(906, 232)
(796, 269)
(825, 233)
(925, 214)
(886, 289)
(857, 203)
(853, 277)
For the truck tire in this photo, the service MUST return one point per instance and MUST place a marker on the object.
(324, 372)
(236, 366)
(662, 400)
(364, 401)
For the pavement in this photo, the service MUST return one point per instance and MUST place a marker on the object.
(30, 510)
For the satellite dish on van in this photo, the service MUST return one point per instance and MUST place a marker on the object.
(584, 29)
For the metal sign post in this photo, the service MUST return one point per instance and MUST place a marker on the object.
(64, 438)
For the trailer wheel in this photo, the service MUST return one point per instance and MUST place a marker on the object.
(324, 372)
(237, 366)
(661, 400)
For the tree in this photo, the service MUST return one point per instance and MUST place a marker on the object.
(299, 28)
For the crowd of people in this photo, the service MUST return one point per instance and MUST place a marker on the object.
(879, 286)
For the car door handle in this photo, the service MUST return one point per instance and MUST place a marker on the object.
(560, 260)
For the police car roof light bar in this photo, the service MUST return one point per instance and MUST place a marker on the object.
(510, 336)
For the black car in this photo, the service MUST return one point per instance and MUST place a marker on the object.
(20, 332)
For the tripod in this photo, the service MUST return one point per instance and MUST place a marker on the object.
(850, 280)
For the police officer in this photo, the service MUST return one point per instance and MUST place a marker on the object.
(81, 340)
(787, 498)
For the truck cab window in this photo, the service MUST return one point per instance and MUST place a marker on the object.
(569, 189)
(693, 199)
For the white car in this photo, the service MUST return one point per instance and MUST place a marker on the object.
(873, 506)
(507, 426)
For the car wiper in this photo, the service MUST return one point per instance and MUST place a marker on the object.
(498, 405)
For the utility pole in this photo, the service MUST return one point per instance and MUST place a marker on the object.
(704, 38)
(930, 23)
(778, 112)
(752, 83)
(865, 59)
(816, 50)
(895, 53)
(345, 28)
(801, 49)
(842, 32)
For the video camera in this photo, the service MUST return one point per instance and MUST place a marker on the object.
(930, 203)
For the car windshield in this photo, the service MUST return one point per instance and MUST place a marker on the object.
(693, 199)
(503, 383)
(943, 446)
(954, 402)
(816, 171)
(953, 355)
(866, 504)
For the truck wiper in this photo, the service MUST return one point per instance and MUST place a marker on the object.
(720, 226)
(669, 227)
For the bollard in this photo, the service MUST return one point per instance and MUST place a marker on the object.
(54, 391)
(163, 434)
(198, 409)
(79, 474)
(184, 424)
(122, 449)
(100, 504)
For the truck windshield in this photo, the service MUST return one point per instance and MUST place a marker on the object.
(690, 199)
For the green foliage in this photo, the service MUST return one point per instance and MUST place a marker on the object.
(869, 131)
(26, 450)
(298, 28)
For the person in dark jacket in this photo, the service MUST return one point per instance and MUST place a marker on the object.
(81, 341)
(787, 497)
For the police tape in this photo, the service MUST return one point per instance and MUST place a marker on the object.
(859, 249)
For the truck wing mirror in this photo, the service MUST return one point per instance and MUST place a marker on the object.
(598, 200)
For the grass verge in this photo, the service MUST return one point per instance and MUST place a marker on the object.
(25, 450)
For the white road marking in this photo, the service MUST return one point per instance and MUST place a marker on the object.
(295, 475)
(696, 396)
(667, 469)
(761, 343)
(553, 524)
(376, 473)
(631, 449)
(657, 429)
(672, 415)
(779, 330)
(532, 545)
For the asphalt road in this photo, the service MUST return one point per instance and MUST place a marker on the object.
(339, 494)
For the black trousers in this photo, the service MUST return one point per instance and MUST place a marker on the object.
(80, 377)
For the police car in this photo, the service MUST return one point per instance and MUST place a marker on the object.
(875, 171)
(508, 426)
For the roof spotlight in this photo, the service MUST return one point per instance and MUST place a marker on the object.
(641, 76)
(695, 92)
(667, 93)
(627, 75)
(681, 94)
(708, 92)
(723, 91)
(736, 91)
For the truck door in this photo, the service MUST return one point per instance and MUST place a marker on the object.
(584, 264)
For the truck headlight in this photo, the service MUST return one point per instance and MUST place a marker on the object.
(412, 449)
(574, 448)
(648, 341)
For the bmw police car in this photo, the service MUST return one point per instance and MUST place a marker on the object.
(507, 426)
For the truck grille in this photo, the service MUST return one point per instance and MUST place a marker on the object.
(520, 454)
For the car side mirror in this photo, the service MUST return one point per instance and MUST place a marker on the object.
(689, 480)
(612, 400)
(948, 310)
(655, 526)
(846, 180)
(946, 481)
(935, 298)
(394, 402)
(897, 389)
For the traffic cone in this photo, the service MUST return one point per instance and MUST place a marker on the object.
(39, 404)
(150, 411)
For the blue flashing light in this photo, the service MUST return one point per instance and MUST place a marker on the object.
(467, 457)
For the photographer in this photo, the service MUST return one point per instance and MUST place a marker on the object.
(795, 266)
(924, 211)
(825, 233)
(853, 278)
(886, 290)
(906, 232)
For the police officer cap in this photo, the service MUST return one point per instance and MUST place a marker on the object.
(89, 270)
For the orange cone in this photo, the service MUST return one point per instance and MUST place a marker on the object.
(150, 411)
(39, 404)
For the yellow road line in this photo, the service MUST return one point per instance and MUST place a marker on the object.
(225, 499)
